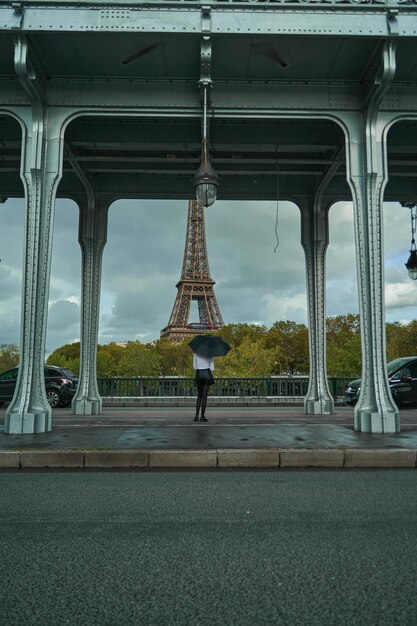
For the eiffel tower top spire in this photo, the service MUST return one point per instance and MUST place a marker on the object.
(195, 284)
(195, 265)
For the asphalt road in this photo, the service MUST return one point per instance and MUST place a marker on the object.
(233, 548)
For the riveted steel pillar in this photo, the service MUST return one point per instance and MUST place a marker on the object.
(315, 238)
(92, 238)
(367, 175)
(29, 411)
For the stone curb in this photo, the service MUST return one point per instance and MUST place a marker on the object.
(312, 458)
(390, 457)
(51, 458)
(273, 458)
(9, 459)
(258, 457)
(116, 458)
(182, 458)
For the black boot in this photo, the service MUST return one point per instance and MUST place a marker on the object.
(203, 419)
(196, 418)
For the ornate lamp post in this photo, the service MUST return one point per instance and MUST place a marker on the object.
(205, 180)
(411, 264)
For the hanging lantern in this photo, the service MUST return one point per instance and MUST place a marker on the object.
(205, 179)
(411, 264)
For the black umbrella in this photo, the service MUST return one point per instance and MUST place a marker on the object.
(209, 346)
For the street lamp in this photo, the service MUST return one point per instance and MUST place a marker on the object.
(205, 180)
(411, 264)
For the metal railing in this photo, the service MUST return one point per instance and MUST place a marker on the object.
(276, 386)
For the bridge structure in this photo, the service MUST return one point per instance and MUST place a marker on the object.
(102, 100)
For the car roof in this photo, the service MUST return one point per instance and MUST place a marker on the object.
(53, 367)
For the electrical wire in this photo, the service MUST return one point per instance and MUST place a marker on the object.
(276, 216)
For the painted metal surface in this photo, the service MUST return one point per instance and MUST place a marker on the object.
(322, 92)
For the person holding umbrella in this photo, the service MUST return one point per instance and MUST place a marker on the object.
(205, 347)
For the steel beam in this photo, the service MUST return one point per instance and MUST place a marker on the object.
(330, 19)
(92, 238)
(315, 239)
(29, 411)
(375, 411)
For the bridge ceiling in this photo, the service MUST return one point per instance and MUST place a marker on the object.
(154, 158)
(155, 154)
(234, 57)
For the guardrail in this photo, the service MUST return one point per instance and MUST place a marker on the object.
(276, 386)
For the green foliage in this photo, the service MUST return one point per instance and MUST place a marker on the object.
(108, 359)
(401, 339)
(256, 351)
(289, 342)
(9, 356)
(174, 358)
(249, 358)
(68, 356)
(235, 334)
(344, 355)
(138, 360)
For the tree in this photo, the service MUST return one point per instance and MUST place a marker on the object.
(401, 339)
(343, 341)
(68, 356)
(289, 341)
(256, 351)
(108, 359)
(234, 334)
(138, 360)
(9, 356)
(106, 365)
(175, 359)
(249, 358)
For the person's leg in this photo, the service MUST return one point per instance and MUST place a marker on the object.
(199, 401)
(205, 390)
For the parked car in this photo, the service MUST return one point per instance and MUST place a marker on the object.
(402, 376)
(60, 385)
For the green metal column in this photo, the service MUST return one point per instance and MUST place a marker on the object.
(314, 237)
(375, 411)
(92, 238)
(29, 411)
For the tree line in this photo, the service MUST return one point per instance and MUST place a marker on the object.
(256, 351)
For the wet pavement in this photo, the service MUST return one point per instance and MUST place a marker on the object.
(127, 428)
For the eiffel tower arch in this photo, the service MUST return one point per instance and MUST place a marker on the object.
(195, 284)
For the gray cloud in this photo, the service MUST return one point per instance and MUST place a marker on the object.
(64, 316)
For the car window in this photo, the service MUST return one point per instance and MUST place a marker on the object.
(10, 375)
(395, 365)
(68, 373)
(412, 370)
(50, 373)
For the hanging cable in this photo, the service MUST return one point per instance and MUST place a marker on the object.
(413, 213)
(276, 216)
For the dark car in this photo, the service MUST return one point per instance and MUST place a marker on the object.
(402, 376)
(60, 385)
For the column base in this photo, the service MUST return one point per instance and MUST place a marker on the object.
(86, 406)
(16, 423)
(324, 406)
(368, 421)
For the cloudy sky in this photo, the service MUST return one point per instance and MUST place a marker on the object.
(143, 260)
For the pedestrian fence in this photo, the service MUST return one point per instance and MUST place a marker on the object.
(172, 386)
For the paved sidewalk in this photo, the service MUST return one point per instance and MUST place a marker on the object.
(233, 437)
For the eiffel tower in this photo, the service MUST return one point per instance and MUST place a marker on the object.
(195, 284)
